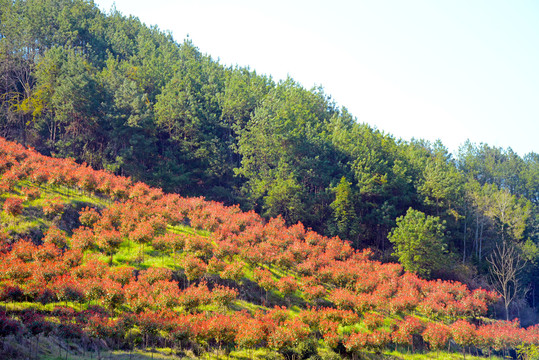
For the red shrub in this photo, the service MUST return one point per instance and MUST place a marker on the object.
(194, 267)
(436, 335)
(223, 296)
(195, 296)
(31, 193)
(13, 206)
(463, 333)
(373, 320)
(287, 285)
(154, 274)
(83, 239)
(408, 327)
(55, 236)
(53, 206)
(356, 342)
(88, 216)
(288, 335)
(233, 271)
(251, 333)
(343, 299)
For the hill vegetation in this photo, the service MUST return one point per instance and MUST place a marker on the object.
(112, 94)
(106, 90)
(140, 269)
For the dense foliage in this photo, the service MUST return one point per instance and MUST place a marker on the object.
(108, 91)
(226, 260)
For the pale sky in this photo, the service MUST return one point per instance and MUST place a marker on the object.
(449, 70)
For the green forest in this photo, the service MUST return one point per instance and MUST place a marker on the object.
(108, 91)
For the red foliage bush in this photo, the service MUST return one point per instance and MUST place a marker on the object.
(406, 328)
(463, 332)
(314, 292)
(104, 327)
(154, 274)
(13, 206)
(252, 333)
(223, 296)
(264, 278)
(83, 239)
(122, 275)
(53, 206)
(233, 271)
(199, 246)
(47, 251)
(356, 342)
(194, 296)
(343, 299)
(164, 294)
(288, 335)
(31, 193)
(16, 270)
(88, 216)
(373, 320)
(287, 285)
(194, 267)
(23, 250)
(436, 335)
(215, 265)
(109, 241)
(55, 236)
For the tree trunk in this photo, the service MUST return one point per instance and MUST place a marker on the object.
(481, 241)
(464, 237)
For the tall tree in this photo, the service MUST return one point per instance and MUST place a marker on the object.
(188, 110)
(345, 219)
(509, 213)
(505, 268)
(70, 97)
(441, 184)
(284, 150)
(419, 242)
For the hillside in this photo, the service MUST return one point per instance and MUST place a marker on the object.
(139, 269)
(107, 91)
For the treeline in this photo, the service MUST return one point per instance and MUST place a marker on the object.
(107, 90)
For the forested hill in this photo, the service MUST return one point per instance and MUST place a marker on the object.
(107, 90)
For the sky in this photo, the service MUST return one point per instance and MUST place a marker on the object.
(449, 70)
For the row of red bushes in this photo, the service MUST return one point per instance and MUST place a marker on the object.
(323, 268)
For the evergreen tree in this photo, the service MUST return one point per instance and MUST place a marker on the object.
(419, 242)
(344, 215)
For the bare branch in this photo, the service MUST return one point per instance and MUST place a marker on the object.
(505, 267)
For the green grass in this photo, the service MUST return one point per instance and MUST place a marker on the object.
(21, 224)
(32, 218)
(53, 348)
(129, 254)
(184, 229)
(239, 305)
(168, 354)
(18, 306)
(65, 194)
(442, 355)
